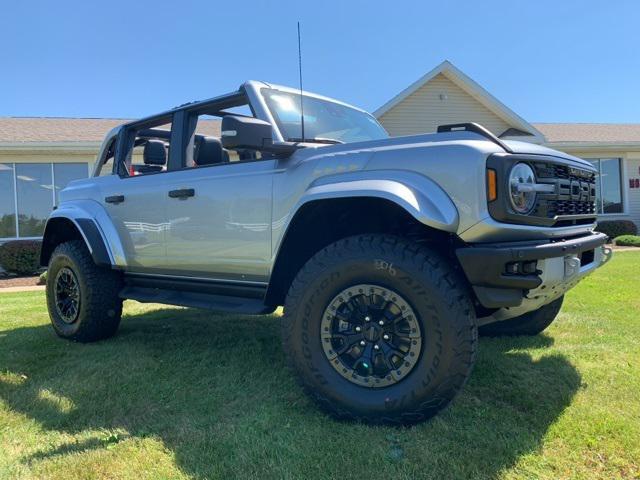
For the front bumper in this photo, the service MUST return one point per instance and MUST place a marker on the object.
(527, 275)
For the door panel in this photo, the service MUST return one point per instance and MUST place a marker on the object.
(222, 230)
(137, 207)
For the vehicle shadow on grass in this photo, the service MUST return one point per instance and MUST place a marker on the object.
(215, 391)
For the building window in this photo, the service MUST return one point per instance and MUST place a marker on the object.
(608, 185)
(63, 173)
(28, 192)
(7, 202)
(34, 190)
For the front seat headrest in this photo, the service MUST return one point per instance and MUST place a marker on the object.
(155, 153)
(210, 152)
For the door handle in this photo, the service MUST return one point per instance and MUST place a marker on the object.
(182, 193)
(114, 199)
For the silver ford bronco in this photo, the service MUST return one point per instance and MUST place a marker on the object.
(389, 255)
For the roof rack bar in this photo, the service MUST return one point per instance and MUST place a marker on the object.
(475, 128)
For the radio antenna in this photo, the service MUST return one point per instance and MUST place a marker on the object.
(300, 77)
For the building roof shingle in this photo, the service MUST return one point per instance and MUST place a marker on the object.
(605, 133)
(48, 129)
(38, 129)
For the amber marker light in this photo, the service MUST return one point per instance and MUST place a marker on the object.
(492, 189)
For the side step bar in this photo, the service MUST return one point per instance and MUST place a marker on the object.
(209, 301)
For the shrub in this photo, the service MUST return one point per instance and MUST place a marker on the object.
(615, 228)
(43, 278)
(21, 256)
(627, 241)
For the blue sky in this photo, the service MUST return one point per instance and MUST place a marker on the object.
(554, 61)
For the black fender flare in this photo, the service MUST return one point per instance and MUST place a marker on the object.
(62, 229)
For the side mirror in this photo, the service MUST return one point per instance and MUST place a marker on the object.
(246, 132)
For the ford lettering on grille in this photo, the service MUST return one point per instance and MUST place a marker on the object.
(575, 191)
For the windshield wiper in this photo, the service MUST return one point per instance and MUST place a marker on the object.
(331, 141)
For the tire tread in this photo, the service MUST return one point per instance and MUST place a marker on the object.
(102, 307)
(450, 286)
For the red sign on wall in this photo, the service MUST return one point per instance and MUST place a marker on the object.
(634, 183)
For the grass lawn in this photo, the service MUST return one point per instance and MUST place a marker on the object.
(182, 393)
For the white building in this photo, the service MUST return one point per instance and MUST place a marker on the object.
(39, 156)
(446, 95)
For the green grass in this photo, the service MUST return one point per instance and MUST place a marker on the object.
(182, 393)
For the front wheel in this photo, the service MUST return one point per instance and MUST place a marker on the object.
(379, 329)
(82, 298)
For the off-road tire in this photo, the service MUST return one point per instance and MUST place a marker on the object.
(435, 292)
(100, 307)
(531, 323)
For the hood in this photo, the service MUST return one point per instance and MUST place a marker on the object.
(450, 138)
(533, 149)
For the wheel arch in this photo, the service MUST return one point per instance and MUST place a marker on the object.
(63, 229)
(376, 201)
(321, 221)
(417, 194)
(88, 221)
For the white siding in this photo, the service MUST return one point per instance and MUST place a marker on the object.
(438, 102)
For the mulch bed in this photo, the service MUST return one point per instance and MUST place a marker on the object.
(6, 281)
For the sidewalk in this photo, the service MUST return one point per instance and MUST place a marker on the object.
(30, 288)
(624, 249)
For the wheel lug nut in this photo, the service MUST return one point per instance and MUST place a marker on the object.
(363, 343)
(367, 319)
(385, 336)
(358, 329)
(376, 347)
(381, 323)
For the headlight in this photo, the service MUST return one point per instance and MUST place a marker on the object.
(521, 188)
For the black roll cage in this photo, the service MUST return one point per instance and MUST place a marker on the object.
(183, 123)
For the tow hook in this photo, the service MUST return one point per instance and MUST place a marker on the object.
(571, 266)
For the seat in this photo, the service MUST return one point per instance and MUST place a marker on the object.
(210, 152)
(154, 156)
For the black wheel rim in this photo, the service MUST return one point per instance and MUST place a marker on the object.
(67, 295)
(371, 335)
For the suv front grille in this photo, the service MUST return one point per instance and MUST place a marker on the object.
(575, 192)
(570, 202)
(569, 207)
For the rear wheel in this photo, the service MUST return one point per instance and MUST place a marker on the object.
(82, 298)
(379, 329)
(531, 323)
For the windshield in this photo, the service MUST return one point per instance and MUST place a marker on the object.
(324, 121)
